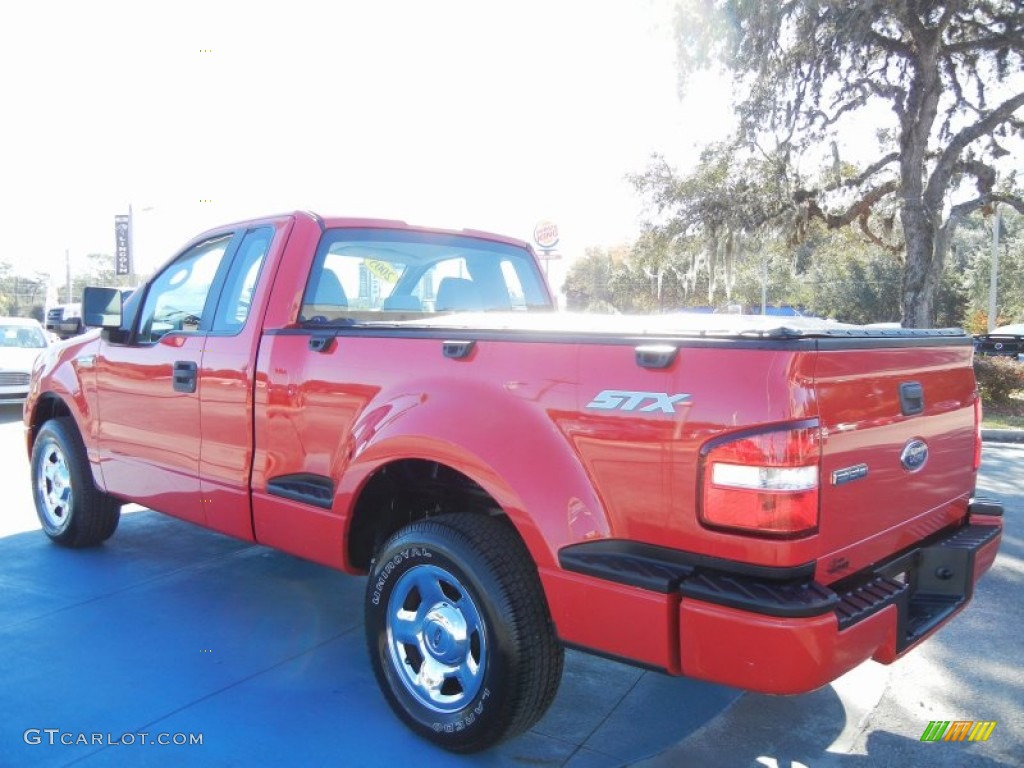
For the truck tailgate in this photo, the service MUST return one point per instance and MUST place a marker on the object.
(899, 437)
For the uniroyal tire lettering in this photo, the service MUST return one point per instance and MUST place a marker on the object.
(464, 722)
(394, 562)
(627, 400)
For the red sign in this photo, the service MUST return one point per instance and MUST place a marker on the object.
(545, 234)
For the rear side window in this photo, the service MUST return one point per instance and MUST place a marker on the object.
(236, 296)
(367, 275)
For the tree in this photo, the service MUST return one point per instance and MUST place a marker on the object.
(726, 222)
(973, 246)
(21, 296)
(950, 72)
(637, 278)
(587, 287)
(99, 271)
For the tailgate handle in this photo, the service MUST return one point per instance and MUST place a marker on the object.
(911, 398)
(656, 355)
(457, 350)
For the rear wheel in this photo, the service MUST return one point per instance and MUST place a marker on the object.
(459, 633)
(72, 511)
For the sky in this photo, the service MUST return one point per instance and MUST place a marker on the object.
(481, 115)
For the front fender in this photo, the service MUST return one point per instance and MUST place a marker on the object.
(63, 382)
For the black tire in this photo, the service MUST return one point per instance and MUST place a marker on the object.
(464, 592)
(72, 510)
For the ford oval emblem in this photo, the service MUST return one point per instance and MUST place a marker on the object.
(914, 456)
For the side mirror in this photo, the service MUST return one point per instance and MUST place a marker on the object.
(101, 307)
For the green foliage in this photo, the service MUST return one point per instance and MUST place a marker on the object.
(99, 271)
(951, 299)
(974, 247)
(25, 296)
(998, 378)
(853, 284)
(20, 296)
(588, 286)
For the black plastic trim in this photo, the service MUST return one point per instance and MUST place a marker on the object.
(927, 581)
(911, 398)
(185, 376)
(320, 342)
(867, 341)
(661, 569)
(984, 506)
(305, 487)
(457, 349)
(785, 339)
(382, 331)
(860, 601)
(790, 599)
(656, 356)
(911, 580)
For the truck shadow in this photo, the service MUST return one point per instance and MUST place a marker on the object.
(798, 731)
(184, 630)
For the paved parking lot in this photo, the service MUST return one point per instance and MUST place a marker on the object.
(175, 632)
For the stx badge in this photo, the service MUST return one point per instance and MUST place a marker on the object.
(625, 400)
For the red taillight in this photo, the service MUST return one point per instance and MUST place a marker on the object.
(977, 433)
(763, 483)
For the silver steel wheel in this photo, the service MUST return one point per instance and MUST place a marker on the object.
(436, 638)
(54, 482)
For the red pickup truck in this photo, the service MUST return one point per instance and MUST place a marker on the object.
(759, 502)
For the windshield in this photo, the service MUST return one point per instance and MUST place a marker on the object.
(367, 275)
(24, 336)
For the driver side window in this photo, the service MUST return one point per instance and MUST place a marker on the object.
(178, 297)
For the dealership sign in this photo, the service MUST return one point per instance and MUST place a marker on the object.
(122, 245)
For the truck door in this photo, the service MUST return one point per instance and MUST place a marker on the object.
(226, 383)
(148, 391)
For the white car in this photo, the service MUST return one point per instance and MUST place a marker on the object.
(21, 342)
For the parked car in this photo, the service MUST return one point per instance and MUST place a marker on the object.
(65, 320)
(782, 310)
(21, 341)
(1007, 340)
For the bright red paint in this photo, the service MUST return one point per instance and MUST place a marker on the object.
(516, 417)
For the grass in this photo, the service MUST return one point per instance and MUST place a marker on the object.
(1004, 415)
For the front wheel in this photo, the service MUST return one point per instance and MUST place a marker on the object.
(72, 511)
(459, 633)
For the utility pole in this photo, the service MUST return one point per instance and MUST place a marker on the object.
(67, 269)
(764, 278)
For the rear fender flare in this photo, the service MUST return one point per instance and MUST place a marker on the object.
(531, 471)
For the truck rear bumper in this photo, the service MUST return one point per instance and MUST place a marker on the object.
(775, 630)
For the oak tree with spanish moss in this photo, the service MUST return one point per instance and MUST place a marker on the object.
(951, 75)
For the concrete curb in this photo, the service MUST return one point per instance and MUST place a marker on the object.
(1002, 435)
